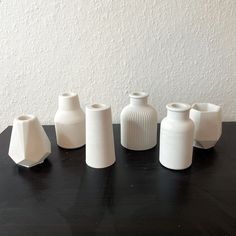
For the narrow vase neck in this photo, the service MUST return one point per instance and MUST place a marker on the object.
(138, 98)
(178, 111)
(138, 101)
(176, 115)
(69, 101)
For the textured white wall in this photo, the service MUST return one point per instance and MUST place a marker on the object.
(181, 50)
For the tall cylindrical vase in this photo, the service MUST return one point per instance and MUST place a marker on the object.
(138, 123)
(176, 137)
(100, 151)
(70, 122)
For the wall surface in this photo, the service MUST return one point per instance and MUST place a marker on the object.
(181, 50)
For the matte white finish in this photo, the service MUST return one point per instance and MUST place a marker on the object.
(29, 144)
(160, 46)
(208, 125)
(70, 122)
(176, 137)
(138, 123)
(100, 150)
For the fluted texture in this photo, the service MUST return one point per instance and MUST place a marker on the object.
(138, 127)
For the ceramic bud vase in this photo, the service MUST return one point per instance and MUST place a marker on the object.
(100, 151)
(70, 122)
(29, 144)
(138, 123)
(208, 124)
(176, 137)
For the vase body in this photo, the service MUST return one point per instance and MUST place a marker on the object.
(100, 150)
(176, 137)
(29, 144)
(138, 123)
(70, 122)
(208, 124)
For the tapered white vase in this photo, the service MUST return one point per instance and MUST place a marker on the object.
(100, 151)
(208, 124)
(138, 123)
(29, 144)
(176, 137)
(70, 122)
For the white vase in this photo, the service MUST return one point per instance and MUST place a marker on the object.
(100, 151)
(70, 122)
(29, 144)
(138, 123)
(176, 137)
(208, 124)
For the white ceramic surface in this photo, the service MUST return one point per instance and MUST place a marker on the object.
(70, 122)
(138, 123)
(29, 144)
(176, 137)
(208, 124)
(100, 151)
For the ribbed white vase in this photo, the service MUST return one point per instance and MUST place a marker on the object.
(138, 123)
(70, 122)
(29, 144)
(100, 151)
(208, 124)
(176, 137)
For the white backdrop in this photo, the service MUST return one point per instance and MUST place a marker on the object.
(103, 49)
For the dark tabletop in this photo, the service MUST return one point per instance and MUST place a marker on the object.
(136, 196)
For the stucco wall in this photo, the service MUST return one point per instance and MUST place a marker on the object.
(181, 50)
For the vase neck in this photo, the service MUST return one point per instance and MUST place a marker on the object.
(138, 101)
(178, 111)
(69, 101)
(178, 115)
(138, 98)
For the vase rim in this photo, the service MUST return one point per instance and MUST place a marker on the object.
(138, 95)
(98, 107)
(25, 118)
(68, 95)
(205, 107)
(178, 107)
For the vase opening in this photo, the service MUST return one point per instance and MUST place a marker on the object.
(138, 98)
(138, 95)
(181, 107)
(68, 94)
(98, 106)
(25, 117)
(205, 107)
(68, 101)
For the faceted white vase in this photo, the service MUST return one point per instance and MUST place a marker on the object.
(138, 123)
(176, 137)
(100, 151)
(70, 122)
(29, 144)
(208, 124)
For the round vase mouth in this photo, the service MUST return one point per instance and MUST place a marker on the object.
(205, 107)
(98, 106)
(138, 95)
(178, 107)
(68, 95)
(25, 117)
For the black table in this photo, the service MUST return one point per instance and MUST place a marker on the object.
(136, 196)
